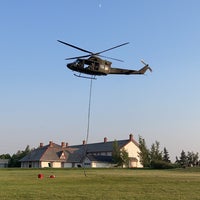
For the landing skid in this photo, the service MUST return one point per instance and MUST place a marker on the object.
(87, 77)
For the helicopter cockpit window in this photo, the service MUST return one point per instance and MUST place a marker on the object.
(79, 63)
(76, 62)
(106, 67)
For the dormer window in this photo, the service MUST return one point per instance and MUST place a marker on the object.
(62, 156)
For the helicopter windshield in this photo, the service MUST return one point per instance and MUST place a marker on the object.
(79, 63)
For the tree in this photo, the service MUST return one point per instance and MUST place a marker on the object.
(124, 158)
(15, 159)
(158, 160)
(189, 160)
(154, 158)
(155, 153)
(5, 156)
(144, 153)
(120, 157)
(182, 161)
(166, 155)
(192, 158)
(116, 152)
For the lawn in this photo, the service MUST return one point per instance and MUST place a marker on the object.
(100, 184)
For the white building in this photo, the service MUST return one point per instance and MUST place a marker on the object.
(90, 155)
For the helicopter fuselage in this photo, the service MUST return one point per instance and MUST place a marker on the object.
(93, 66)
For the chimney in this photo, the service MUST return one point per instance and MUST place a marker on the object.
(62, 144)
(131, 137)
(105, 140)
(84, 142)
(50, 143)
(66, 145)
(41, 144)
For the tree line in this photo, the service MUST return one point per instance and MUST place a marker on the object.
(156, 158)
(14, 160)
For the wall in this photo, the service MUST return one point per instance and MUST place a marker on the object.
(100, 165)
(56, 165)
(4, 163)
(30, 164)
(67, 165)
(51, 164)
(133, 150)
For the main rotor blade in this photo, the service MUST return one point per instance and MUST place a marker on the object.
(75, 47)
(111, 58)
(142, 61)
(111, 48)
(91, 53)
(85, 56)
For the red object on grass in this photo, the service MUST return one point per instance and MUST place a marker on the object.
(40, 175)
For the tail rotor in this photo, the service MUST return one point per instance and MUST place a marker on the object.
(146, 65)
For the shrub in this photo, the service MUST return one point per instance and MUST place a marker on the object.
(159, 164)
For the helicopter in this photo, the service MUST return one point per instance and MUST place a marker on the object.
(91, 64)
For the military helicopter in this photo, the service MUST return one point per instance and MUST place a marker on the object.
(92, 64)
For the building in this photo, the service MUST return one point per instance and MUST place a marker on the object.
(52, 155)
(4, 163)
(65, 156)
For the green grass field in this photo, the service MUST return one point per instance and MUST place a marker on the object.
(100, 184)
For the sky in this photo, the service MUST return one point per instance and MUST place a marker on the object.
(41, 100)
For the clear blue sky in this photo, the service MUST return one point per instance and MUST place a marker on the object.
(41, 100)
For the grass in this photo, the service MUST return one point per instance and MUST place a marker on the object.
(100, 184)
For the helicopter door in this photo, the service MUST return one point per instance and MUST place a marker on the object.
(96, 66)
(104, 68)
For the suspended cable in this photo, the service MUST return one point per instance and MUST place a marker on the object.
(88, 126)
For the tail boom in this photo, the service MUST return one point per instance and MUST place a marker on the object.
(129, 71)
